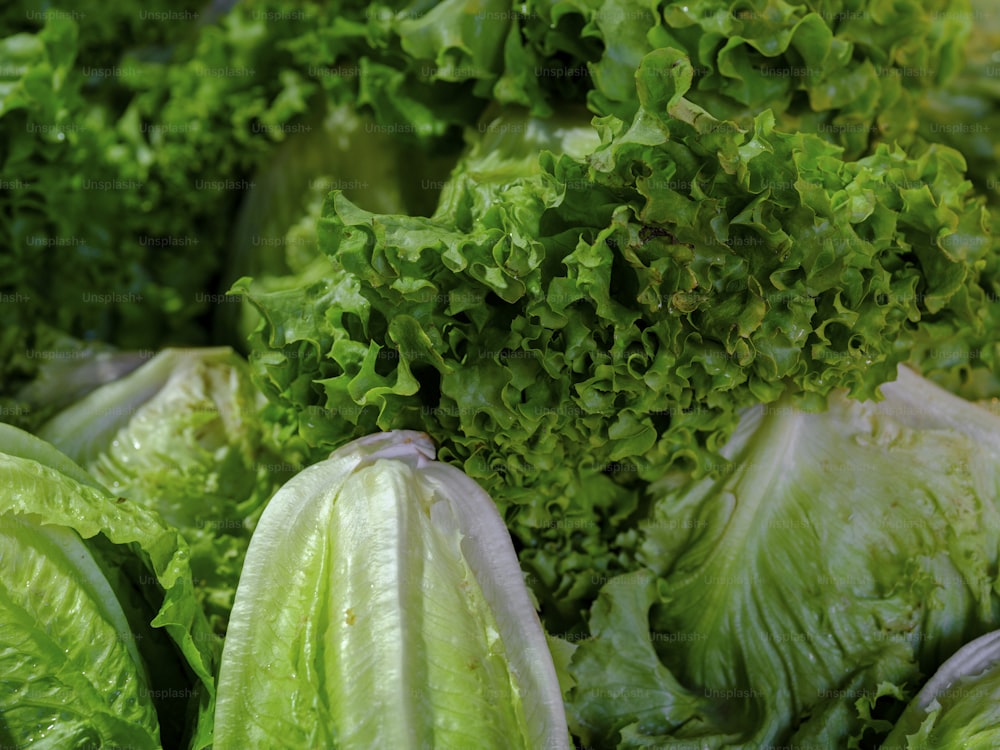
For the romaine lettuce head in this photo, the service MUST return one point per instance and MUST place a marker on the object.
(103, 641)
(382, 606)
(959, 706)
(797, 594)
(181, 434)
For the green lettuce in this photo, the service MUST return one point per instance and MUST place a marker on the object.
(85, 221)
(135, 132)
(802, 591)
(964, 112)
(103, 641)
(593, 302)
(958, 707)
(132, 131)
(70, 369)
(658, 215)
(182, 435)
(384, 602)
(274, 237)
(852, 72)
(132, 135)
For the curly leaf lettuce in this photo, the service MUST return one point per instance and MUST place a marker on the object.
(850, 72)
(583, 311)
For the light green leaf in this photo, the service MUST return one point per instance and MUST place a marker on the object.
(383, 601)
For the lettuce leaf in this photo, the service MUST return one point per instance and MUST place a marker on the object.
(851, 72)
(803, 593)
(958, 705)
(591, 304)
(181, 435)
(113, 649)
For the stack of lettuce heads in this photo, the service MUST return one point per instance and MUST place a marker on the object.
(703, 295)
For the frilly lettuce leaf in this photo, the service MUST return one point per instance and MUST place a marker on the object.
(964, 111)
(852, 72)
(568, 325)
(508, 150)
(134, 131)
(963, 114)
(274, 239)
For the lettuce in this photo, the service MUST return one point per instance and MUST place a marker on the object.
(963, 111)
(833, 561)
(595, 299)
(574, 242)
(852, 72)
(382, 606)
(181, 435)
(103, 640)
(957, 707)
(274, 238)
(85, 218)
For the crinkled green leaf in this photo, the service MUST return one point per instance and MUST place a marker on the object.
(853, 73)
(587, 319)
(623, 691)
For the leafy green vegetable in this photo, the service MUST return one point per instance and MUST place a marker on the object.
(958, 705)
(577, 316)
(832, 560)
(661, 215)
(103, 641)
(78, 223)
(132, 130)
(79, 368)
(852, 72)
(181, 435)
(384, 601)
(963, 112)
(131, 134)
(274, 239)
